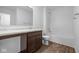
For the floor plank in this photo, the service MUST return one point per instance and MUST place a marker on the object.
(55, 48)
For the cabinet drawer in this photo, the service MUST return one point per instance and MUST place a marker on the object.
(34, 37)
(31, 34)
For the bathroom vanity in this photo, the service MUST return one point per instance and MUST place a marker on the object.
(30, 39)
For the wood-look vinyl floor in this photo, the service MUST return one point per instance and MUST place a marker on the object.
(55, 48)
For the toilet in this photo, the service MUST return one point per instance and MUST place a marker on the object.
(45, 40)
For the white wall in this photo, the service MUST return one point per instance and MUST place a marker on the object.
(24, 17)
(61, 25)
(76, 27)
(48, 20)
(38, 16)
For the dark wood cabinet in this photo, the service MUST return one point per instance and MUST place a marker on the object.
(23, 41)
(34, 41)
(29, 41)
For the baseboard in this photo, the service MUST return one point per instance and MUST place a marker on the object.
(62, 39)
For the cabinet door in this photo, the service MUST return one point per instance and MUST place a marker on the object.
(23, 42)
(38, 43)
(34, 41)
(31, 45)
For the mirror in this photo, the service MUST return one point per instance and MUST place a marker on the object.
(4, 19)
(16, 15)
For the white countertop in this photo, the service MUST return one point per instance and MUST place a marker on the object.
(9, 32)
